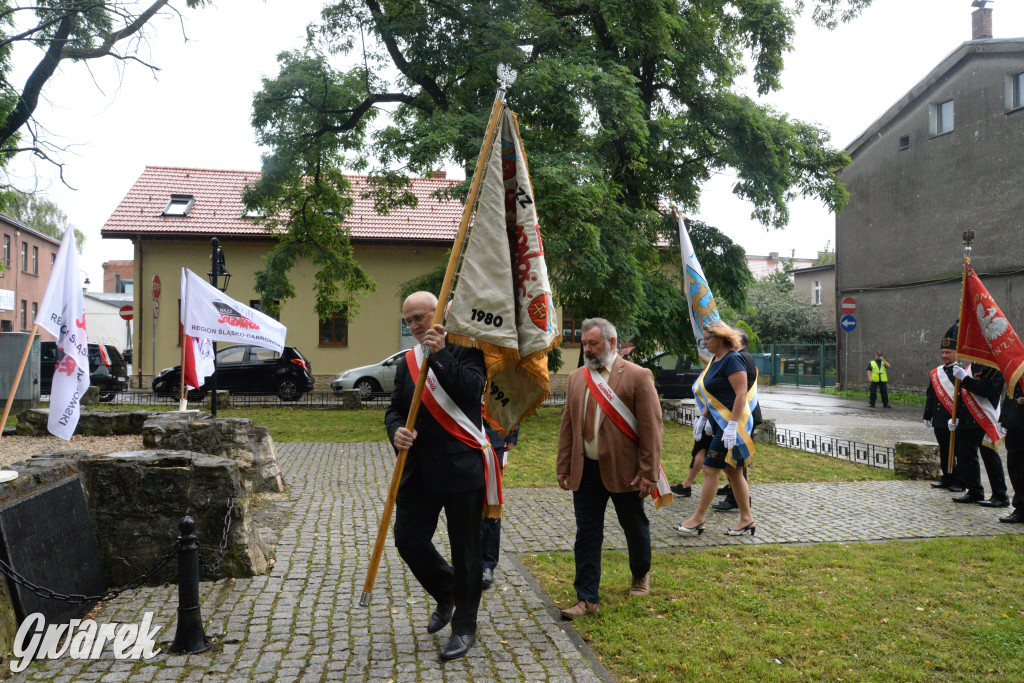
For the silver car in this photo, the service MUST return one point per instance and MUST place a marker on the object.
(369, 379)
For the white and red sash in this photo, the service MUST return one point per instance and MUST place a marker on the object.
(454, 421)
(981, 409)
(621, 416)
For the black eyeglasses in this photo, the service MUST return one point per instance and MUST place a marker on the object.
(409, 322)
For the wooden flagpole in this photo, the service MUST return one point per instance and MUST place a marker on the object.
(410, 422)
(968, 237)
(17, 378)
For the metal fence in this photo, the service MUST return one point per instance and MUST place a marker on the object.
(804, 364)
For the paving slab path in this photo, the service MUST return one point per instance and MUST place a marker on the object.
(303, 621)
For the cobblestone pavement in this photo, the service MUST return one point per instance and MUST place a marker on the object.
(303, 622)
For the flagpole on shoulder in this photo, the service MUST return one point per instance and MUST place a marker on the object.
(968, 238)
(17, 378)
(506, 77)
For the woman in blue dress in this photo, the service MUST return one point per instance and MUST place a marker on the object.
(722, 392)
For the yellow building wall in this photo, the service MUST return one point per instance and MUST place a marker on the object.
(373, 334)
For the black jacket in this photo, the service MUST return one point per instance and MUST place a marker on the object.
(987, 384)
(1011, 415)
(438, 461)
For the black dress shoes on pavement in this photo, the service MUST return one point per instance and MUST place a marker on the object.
(457, 646)
(994, 502)
(441, 616)
(1016, 517)
(968, 498)
(488, 577)
(681, 490)
(940, 485)
(725, 505)
(956, 489)
(722, 490)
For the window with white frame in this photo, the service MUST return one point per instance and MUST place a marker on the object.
(179, 205)
(816, 293)
(1016, 91)
(942, 117)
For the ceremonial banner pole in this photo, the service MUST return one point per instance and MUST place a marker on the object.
(17, 378)
(505, 78)
(968, 237)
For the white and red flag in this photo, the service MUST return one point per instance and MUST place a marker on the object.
(197, 353)
(62, 314)
(502, 304)
(986, 336)
(211, 314)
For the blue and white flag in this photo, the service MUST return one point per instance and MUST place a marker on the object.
(699, 299)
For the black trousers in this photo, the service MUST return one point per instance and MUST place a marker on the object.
(1015, 466)
(953, 478)
(880, 387)
(416, 514)
(994, 471)
(589, 503)
(968, 468)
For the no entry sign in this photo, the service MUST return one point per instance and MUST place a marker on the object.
(849, 305)
(156, 286)
(126, 312)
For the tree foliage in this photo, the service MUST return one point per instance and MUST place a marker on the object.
(41, 214)
(776, 315)
(62, 31)
(622, 106)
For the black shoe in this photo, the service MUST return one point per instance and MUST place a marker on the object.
(994, 502)
(1013, 518)
(488, 577)
(871, 405)
(457, 646)
(887, 406)
(940, 485)
(968, 498)
(956, 489)
(723, 490)
(725, 505)
(681, 490)
(441, 616)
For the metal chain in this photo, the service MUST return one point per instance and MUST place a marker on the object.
(78, 599)
(212, 569)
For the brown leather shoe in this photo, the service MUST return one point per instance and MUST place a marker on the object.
(641, 586)
(580, 609)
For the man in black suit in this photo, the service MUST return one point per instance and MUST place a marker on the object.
(441, 472)
(1012, 417)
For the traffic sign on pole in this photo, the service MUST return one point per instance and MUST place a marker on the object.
(849, 305)
(848, 323)
(127, 312)
(156, 309)
(156, 286)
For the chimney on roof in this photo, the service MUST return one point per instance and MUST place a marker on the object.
(773, 256)
(981, 20)
(439, 175)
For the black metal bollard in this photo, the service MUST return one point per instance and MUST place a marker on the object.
(189, 636)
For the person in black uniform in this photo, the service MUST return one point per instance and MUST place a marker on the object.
(987, 385)
(936, 415)
(729, 503)
(1011, 416)
(441, 472)
(490, 529)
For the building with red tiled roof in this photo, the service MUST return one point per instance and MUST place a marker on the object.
(171, 214)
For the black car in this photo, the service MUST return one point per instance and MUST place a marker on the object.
(107, 369)
(674, 375)
(245, 369)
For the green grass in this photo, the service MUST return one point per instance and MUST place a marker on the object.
(936, 610)
(897, 397)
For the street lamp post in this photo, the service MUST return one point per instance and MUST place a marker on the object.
(217, 270)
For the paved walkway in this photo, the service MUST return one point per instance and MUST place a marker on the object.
(303, 622)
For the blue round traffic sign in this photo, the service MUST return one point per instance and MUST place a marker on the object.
(848, 322)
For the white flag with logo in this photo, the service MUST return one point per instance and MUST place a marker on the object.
(62, 314)
(699, 299)
(198, 352)
(502, 304)
(211, 314)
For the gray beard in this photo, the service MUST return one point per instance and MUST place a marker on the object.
(605, 360)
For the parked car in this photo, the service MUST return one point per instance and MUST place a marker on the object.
(674, 375)
(107, 369)
(246, 369)
(369, 379)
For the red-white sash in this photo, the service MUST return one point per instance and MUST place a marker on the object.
(454, 421)
(982, 410)
(623, 418)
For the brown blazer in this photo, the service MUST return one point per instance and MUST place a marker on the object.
(620, 457)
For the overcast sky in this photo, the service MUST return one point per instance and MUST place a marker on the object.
(195, 111)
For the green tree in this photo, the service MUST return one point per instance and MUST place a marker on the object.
(827, 256)
(621, 105)
(776, 315)
(41, 214)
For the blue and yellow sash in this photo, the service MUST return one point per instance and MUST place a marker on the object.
(743, 451)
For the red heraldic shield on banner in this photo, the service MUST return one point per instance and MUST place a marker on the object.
(986, 336)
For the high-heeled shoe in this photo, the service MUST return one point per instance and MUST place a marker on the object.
(752, 527)
(680, 527)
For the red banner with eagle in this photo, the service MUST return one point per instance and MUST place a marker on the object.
(986, 336)
(502, 303)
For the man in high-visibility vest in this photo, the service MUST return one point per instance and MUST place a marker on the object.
(878, 377)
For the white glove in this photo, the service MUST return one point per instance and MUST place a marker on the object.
(708, 429)
(951, 423)
(927, 423)
(959, 372)
(698, 427)
(729, 436)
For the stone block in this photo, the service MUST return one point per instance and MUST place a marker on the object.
(351, 400)
(223, 399)
(764, 432)
(239, 439)
(917, 460)
(91, 396)
(91, 423)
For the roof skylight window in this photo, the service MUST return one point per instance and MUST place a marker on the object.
(179, 205)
